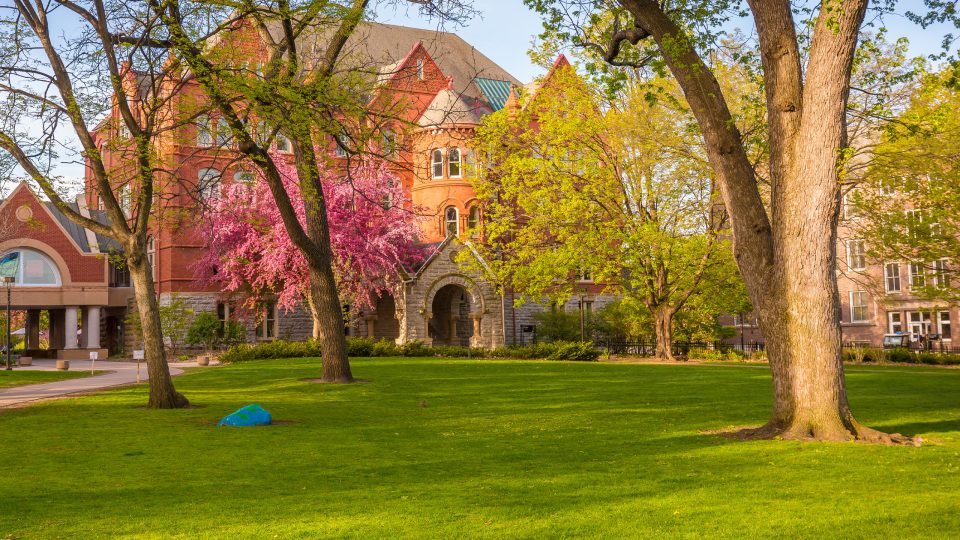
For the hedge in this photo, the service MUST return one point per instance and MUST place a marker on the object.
(367, 347)
(900, 356)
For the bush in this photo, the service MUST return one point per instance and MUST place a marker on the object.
(205, 330)
(367, 347)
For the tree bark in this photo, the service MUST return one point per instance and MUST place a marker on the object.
(663, 331)
(788, 260)
(163, 395)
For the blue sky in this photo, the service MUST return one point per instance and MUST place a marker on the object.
(506, 28)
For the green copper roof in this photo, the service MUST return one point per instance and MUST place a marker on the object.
(496, 92)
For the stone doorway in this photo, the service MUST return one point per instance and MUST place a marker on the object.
(451, 323)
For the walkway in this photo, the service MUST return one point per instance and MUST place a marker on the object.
(118, 373)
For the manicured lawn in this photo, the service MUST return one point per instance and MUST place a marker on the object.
(501, 449)
(17, 377)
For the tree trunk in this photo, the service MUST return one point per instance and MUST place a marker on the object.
(328, 321)
(663, 330)
(162, 393)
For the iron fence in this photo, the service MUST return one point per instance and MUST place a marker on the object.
(916, 346)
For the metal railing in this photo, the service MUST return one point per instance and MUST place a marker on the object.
(685, 349)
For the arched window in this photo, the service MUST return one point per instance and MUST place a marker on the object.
(453, 157)
(152, 256)
(224, 135)
(208, 183)
(452, 220)
(33, 269)
(436, 163)
(473, 217)
(204, 131)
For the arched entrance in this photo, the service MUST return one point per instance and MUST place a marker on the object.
(451, 323)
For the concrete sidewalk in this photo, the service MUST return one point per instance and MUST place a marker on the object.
(118, 373)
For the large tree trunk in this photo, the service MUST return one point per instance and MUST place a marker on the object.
(787, 259)
(162, 393)
(663, 331)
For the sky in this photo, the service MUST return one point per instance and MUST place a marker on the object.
(505, 29)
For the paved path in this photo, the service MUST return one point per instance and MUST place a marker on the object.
(118, 373)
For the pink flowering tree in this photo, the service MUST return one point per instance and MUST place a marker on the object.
(373, 233)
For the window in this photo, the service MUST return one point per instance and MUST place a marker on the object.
(223, 134)
(891, 274)
(917, 279)
(915, 220)
(584, 273)
(452, 220)
(340, 145)
(387, 202)
(208, 183)
(453, 158)
(119, 275)
(436, 163)
(858, 307)
(471, 164)
(849, 205)
(244, 177)
(944, 317)
(204, 131)
(856, 256)
(125, 199)
(283, 143)
(267, 327)
(473, 217)
(420, 68)
(941, 277)
(223, 313)
(263, 133)
(389, 143)
(920, 322)
(34, 269)
(895, 322)
(152, 256)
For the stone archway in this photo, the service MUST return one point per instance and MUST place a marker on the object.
(453, 309)
(451, 323)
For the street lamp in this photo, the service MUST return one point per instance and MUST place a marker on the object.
(8, 283)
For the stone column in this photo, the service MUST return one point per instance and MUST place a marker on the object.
(91, 327)
(427, 315)
(33, 329)
(476, 340)
(70, 328)
(452, 333)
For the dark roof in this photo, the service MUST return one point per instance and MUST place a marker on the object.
(377, 45)
(78, 233)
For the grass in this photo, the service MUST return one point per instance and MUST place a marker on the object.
(17, 377)
(501, 449)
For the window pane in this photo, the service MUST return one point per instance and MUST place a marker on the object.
(454, 158)
(37, 269)
(437, 161)
(204, 131)
(892, 275)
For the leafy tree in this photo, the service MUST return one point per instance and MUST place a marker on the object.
(559, 325)
(175, 318)
(304, 93)
(249, 250)
(786, 249)
(617, 188)
(906, 207)
(58, 63)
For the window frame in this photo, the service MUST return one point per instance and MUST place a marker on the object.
(434, 163)
(212, 189)
(204, 137)
(447, 221)
(18, 280)
(451, 152)
(151, 249)
(865, 306)
(860, 255)
(887, 278)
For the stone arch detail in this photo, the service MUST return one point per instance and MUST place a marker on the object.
(468, 284)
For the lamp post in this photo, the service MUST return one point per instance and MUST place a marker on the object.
(8, 282)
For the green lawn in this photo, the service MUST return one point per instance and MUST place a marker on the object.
(502, 449)
(17, 377)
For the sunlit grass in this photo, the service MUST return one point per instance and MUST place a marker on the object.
(454, 448)
(16, 377)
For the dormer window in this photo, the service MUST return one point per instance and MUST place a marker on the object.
(453, 157)
(436, 163)
(420, 68)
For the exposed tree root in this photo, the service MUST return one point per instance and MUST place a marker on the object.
(807, 432)
(177, 401)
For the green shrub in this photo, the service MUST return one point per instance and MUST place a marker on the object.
(205, 330)
(366, 347)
